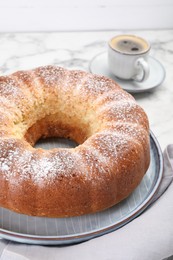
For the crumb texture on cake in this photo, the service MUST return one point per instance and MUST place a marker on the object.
(112, 131)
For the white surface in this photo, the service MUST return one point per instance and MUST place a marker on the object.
(75, 50)
(52, 15)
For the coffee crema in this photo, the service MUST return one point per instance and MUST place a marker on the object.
(129, 44)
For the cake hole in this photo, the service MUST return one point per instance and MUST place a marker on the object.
(125, 42)
(55, 142)
(49, 133)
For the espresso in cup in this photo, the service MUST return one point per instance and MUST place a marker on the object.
(129, 44)
(127, 57)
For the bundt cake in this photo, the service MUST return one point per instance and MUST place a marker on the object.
(112, 131)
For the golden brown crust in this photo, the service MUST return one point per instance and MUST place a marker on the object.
(112, 130)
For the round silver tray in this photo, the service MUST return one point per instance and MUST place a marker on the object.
(61, 231)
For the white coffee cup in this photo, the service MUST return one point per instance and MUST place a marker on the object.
(127, 57)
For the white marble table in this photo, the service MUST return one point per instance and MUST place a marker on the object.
(76, 49)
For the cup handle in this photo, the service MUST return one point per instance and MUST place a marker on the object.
(145, 68)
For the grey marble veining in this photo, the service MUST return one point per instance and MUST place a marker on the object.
(74, 50)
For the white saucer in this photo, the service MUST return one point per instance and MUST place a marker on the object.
(98, 65)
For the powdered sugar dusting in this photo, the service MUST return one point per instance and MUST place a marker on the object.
(126, 111)
(4, 166)
(97, 84)
(110, 145)
(112, 149)
(95, 166)
(10, 155)
(93, 85)
(38, 165)
(132, 131)
(50, 74)
(120, 107)
(101, 154)
(9, 88)
(113, 96)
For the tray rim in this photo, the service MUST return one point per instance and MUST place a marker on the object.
(77, 238)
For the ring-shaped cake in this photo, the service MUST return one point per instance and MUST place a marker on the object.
(112, 131)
